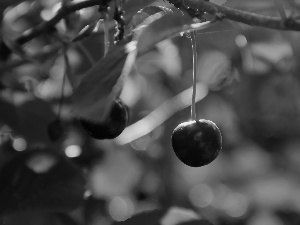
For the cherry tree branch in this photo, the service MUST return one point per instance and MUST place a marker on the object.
(249, 18)
(47, 25)
(198, 5)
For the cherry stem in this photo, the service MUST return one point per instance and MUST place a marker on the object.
(106, 35)
(194, 49)
(67, 69)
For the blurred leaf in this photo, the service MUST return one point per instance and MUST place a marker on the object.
(5, 51)
(196, 222)
(171, 216)
(40, 180)
(94, 95)
(29, 118)
(55, 130)
(218, 2)
(263, 57)
(144, 13)
(146, 218)
(215, 70)
(166, 26)
(161, 114)
(6, 3)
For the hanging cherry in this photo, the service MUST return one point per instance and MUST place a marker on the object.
(112, 126)
(197, 142)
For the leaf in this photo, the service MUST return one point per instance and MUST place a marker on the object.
(170, 216)
(146, 218)
(167, 26)
(161, 114)
(5, 51)
(40, 179)
(29, 118)
(94, 95)
(55, 130)
(6, 3)
(218, 2)
(144, 13)
(196, 222)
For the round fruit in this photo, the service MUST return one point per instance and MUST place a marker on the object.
(197, 143)
(112, 127)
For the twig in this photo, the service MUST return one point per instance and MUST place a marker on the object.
(46, 25)
(252, 19)
(38, 58)
(294, 7)
(280, 9)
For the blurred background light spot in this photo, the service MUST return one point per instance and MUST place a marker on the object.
(273, 193)
(19, 144)
(201, 195)
(120, 208)
(73, 151)
(41, 163)
(241, 41)
(87, 194)
(265, 218)
(236, 205)
(13, 13)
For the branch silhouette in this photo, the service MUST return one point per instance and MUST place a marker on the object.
(249, 18)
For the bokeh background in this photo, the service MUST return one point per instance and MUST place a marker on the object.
(248, 84)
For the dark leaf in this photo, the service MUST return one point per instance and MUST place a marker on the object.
(6, 3)
(146, 218)
(40, 180)
(166, 26)
(196, 222)
(99, 87)
(55, 130)
(29, 118)
(5, 51)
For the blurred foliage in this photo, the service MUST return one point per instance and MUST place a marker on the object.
(248, 84)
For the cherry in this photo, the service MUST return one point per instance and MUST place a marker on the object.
(197, 143)
(112, 127)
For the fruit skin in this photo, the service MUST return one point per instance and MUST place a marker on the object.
(112, 127)
(197, 143)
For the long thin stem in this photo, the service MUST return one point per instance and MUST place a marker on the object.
(106, 35)
(194, 49)
(67, 69)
